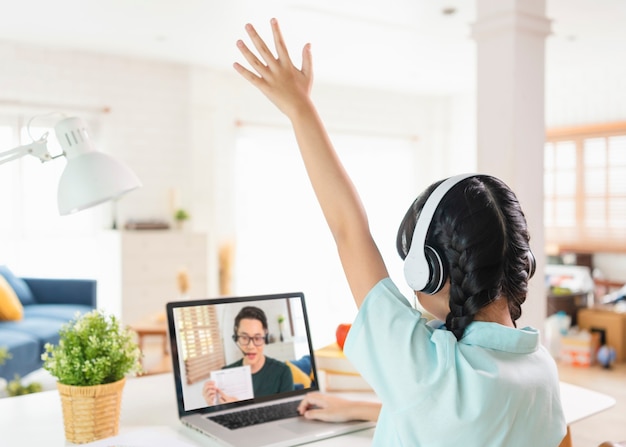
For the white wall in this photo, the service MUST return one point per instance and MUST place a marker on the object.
(611, 265)
(566, 105)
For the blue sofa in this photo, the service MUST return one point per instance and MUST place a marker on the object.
(48, 304)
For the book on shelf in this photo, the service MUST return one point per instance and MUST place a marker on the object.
(336, 371)
(148, 224)
(333, 381)
(331, 358)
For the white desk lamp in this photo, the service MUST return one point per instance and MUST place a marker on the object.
(90, 177)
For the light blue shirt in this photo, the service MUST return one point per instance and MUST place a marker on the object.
(497, 386)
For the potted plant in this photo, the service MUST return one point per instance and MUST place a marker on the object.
(91, 361)
(4, 356)
(180, 216)
(281, 321)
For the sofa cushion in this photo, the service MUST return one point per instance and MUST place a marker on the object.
(61, 312)
(10, 305)
(44, 330)
(25, 353)
(20, 287)
(299, 376)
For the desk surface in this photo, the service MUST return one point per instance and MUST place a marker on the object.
(36, 419)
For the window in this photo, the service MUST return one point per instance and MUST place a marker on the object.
(585, 188)
(202, 349)
(33, 235)
(283, 243)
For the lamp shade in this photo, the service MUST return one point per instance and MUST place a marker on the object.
(90, 177)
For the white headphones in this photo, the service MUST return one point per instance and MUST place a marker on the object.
(424, 268)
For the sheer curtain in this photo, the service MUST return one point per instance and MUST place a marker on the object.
(36, 240)
(283, 243)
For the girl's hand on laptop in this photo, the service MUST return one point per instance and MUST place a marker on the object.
(213, 395)
(325, 407)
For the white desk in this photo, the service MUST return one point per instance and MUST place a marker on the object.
(36, 419)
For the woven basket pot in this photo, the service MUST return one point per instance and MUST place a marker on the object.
(91, 412)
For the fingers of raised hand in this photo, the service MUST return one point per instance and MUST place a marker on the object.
(252, 59)
(279, 43)
(265, 53)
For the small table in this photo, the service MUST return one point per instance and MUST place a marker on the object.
(154, 325)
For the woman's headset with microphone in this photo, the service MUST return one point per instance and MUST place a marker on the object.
(424, 267)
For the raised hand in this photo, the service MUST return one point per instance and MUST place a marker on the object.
(284, 84)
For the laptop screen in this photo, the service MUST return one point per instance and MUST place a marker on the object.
(229, 352)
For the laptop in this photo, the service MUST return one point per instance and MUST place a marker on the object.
(205, 347)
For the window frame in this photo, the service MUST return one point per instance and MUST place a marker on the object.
(603, 236)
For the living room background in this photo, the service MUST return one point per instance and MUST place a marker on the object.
(177, 127)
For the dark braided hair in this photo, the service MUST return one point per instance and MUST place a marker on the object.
(480, 230)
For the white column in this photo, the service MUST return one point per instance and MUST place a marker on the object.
(510, 37)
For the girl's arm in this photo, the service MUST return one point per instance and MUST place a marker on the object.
(289, 89)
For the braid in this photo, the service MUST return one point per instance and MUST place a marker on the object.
(470, 239)
(461, 312)
(480, 230)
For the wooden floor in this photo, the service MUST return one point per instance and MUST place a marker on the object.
(609, 425)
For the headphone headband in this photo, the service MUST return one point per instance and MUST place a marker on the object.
(421, 259)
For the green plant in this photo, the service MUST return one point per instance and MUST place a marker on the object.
(93, 349)
(181, 215)
(281, 320)
(4, 354)
(16, 388)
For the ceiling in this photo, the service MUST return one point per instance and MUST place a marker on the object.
(422, 46)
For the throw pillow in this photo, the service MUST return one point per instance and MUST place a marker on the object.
(20, 287)
(299, 376)
(10, 306)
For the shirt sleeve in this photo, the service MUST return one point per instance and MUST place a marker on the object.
(390, 342)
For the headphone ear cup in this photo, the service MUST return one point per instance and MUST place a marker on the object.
(235, 338)
(438, 271)
(267, 338)
(532, 264)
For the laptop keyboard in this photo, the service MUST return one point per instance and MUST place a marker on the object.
(246, 418)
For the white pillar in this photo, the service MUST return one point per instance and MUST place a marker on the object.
(510, 37)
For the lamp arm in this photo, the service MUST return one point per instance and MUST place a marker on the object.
(37, 149)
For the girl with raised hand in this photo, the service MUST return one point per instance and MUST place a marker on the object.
(474, 378)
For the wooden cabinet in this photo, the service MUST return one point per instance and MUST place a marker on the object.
(611, 322)
(139, 270)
